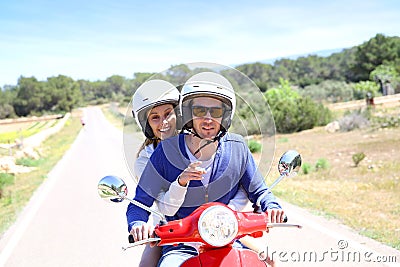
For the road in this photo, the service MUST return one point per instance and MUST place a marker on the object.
(67, 224)
(387, 101)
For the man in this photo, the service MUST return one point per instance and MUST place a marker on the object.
(210, 164)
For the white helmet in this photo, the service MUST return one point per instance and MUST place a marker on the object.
(208, 84)
(150, 94)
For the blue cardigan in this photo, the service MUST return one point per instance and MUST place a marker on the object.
(233, 166)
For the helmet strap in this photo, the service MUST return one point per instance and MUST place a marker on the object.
(215, 139)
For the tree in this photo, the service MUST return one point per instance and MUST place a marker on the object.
(284, 69)
(178, 74)
(29, 97)
(377, 51)
(7, 97)
(64, 94)
(385, 75)
(116, 86)
(309, 70)
(259, 73)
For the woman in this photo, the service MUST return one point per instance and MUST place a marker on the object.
(154, 108)
(155, 105)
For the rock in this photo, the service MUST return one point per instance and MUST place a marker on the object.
(332, 127)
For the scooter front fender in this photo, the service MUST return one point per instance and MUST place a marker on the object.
(225, 257)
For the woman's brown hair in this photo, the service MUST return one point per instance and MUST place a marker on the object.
(147, 142)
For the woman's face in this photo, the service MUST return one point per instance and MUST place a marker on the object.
(162, 120)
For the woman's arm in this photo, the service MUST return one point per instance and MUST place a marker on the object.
(141, 161)
(240, 201)
(170, 201)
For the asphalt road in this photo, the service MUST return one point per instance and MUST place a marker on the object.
(67, 224)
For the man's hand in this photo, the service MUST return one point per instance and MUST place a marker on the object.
(276, 215)
(192, 172)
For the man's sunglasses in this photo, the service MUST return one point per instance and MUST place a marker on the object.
(200, 111)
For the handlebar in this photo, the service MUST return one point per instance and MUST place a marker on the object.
(141, 242)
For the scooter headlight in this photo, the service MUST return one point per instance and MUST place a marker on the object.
(218, 226)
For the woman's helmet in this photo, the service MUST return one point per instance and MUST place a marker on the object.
(208, 84)
(150, 94)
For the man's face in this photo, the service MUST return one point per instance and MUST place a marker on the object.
(207, 116)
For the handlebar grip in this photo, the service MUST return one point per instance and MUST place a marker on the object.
(130, 239)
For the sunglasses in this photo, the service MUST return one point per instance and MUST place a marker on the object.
(200, 111)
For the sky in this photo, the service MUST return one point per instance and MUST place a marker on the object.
(95, 39)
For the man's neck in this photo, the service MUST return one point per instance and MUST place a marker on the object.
(205, 153)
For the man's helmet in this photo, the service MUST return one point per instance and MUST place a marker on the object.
(150, 94)
(208, 84)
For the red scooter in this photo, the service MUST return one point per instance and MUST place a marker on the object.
(213, 227)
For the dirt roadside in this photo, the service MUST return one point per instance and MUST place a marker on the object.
(29, 147)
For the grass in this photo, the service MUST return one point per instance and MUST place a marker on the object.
(28, 162)
(117, 119)
(112, 117)
(17, 194)
(366, 197)
(6, 179)
(24, 130)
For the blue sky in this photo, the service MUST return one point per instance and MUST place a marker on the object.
(94, 39)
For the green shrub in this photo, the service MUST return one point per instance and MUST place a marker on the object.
(329, 90)
(386, 121)
(306, 168)
(294, 113)
(322, 164)
(253, 115)
(254, 146)
(28, 162)
(358, 157)
(360, 89)
(5, 179)
(299, 114)
(283, 140)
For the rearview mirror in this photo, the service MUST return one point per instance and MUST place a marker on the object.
(112, 188)
(289, 163)
(288, 166)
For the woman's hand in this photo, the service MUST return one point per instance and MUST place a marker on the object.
(192, 172)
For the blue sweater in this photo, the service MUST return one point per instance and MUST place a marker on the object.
(233, 166)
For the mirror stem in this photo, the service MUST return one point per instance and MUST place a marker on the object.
(159, 214)
(283, 175)
(277, 181)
